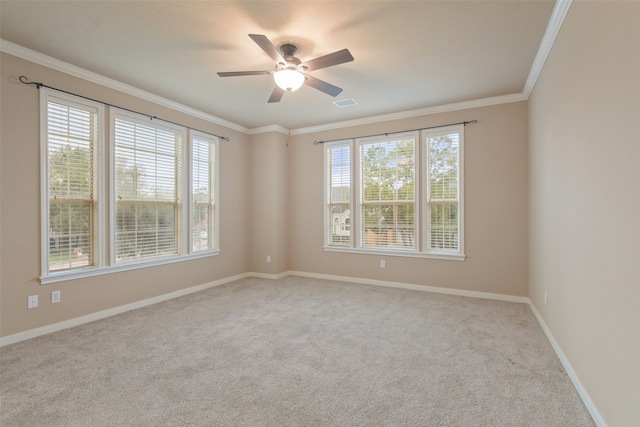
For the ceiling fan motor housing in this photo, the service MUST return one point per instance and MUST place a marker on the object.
(293, 62)
(288, 49)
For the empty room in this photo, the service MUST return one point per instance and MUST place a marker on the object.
(320, 213)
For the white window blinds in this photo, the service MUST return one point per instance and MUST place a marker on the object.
(72, 131)
(338, 209)
(443, 199)
(203, 187)
(387, 192)
(148, 189)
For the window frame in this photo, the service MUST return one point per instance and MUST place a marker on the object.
(181, 186)
(104, 238)
(359, 214)
(327, 196)
(426, 199)
(98, 255)
(215, 142)
(421, 186)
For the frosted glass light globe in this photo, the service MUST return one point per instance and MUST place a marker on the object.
(288, 79)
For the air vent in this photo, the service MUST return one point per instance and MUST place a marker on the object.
(345, 102)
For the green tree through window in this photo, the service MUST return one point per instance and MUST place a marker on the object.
(388, 193)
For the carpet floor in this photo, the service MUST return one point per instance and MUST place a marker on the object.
(295, 352)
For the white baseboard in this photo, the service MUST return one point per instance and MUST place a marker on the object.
(586, 399)
(32, 333)
(269, 276)
(435, 289)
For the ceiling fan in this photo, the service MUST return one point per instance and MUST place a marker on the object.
(289, 74)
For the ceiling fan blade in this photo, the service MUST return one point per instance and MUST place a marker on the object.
(276, 95)
(242, 73)
(323, 86)
(268, 47)
(335, 58)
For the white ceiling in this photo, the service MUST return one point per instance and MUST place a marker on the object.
(408, 54)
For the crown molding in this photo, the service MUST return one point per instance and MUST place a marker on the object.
(271, 128)
(558, 15)
(485, 102)
(55, 64)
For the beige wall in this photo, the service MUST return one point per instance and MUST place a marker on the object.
(269, 208)
(495, 207)
(585, 202)
(270, 204)
(20, 211)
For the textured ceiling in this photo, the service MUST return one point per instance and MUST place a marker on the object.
(408, 54)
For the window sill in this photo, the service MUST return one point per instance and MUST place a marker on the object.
(398, 253)
(131, 265)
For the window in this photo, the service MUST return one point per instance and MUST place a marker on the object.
(148, 189)
(387, 192)
(203, 197)
(443, 191)
(70, 192)
(408, 198)
(161, 207)
(338, 207)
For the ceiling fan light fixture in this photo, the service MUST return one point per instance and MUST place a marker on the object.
(288, 79)
(290, 72)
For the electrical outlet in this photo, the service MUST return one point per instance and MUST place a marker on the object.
(33, 301)
(383, 264)
(268, 258)
(546, 298)
(55, 297)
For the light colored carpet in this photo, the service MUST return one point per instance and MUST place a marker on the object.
(295, 352)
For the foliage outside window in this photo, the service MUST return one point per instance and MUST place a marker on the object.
(387, 192)
(408, 194)
(161, 207)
